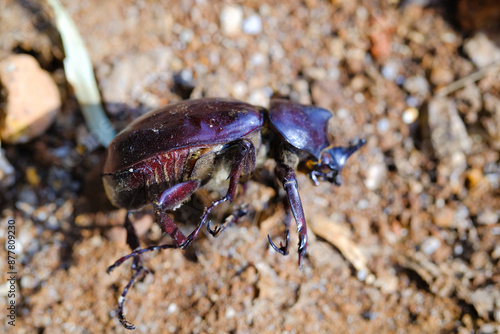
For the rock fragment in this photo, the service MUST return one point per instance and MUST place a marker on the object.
(33, 99)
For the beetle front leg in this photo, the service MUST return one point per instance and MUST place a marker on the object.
(286, 176)
(244, 161)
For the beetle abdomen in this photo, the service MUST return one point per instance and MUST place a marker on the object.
(135, 186)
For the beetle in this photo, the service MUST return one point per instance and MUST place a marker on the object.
(164, 156)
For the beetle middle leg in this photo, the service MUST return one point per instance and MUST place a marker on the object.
(288, 179)
(243, 162)
(232, 219)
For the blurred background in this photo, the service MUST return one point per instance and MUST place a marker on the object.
(410, 243)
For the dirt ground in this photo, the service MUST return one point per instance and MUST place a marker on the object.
(410, 243)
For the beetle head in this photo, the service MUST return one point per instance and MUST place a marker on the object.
(332, 159)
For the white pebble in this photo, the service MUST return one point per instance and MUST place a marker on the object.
(410, 115)
(383, 125)
(390, 70)
(430, 245)
(186, 36)
(412, 101)
(374, 176)
(259, 98)
(482, 50)
(361, 274)
(359, 98)
(417, 86)
(171, 308)
(257, 59)
(239, 89)
(252, 25)
(187, 75)
(343, 113)
(230, 19)
(230, 312)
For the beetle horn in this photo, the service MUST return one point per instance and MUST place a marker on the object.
(340, 154)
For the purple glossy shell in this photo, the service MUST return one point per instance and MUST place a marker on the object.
(303, 127)
(186, 124)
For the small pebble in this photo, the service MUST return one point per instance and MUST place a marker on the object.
(481, 50)
(186, 36)
(258, 59)
(444, 217)
(239, 89)
(230, 312)
(488, 217)
(430, 245)
(231, 18)
(259, 98)
(252, 25)
(32, 176)
(410, 115)
(474, 176)
(417, 86)
(33, 99)
(413, 102)
(383, 125)
(488, 329)
(28, 281)
(390, 70)
(361, 274)
(458, 250)
(374, 175)
(359, 98)
(172, 308)
(7, 175)
(441, 76)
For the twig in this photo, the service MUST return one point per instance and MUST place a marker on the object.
(471, 78)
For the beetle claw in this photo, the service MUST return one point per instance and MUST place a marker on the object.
(232, 219)
(283, 250)
(217, 230)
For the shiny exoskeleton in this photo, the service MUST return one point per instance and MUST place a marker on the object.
(164, 156)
